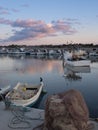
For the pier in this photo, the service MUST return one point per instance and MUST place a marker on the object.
(19, 118)
(29, 119)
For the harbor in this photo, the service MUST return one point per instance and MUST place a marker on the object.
(30, 78)
(28, 69)
(48, 65)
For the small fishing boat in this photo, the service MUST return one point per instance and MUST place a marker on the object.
(4, 91)
(25, 94)
(73, 60)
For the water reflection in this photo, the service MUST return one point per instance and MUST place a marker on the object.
(28, 64)
(21, 68)
(93, 58)
(23, 56)
(73, 72)
(36, 66)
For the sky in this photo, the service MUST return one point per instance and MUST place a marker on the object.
(46, 22)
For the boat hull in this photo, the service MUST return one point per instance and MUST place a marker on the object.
(81, 63)
(4, 91)
(25, 102)
(29, 102)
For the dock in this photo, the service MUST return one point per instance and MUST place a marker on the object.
(24, 118)
(20, 118)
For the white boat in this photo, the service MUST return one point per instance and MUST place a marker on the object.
(4, 91)
(75, 61)
(80, 53)
(25, 94)
(91, 54)
(80, 62)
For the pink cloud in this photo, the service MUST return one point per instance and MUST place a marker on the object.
(37, 29)
(26, 23)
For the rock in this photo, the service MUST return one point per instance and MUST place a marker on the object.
(66, 111)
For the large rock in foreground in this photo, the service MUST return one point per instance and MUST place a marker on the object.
(66, 111)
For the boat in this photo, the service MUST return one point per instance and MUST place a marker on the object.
(73, 60)
(24, 94)
(95, 54)
(74, 72)
(4, 91)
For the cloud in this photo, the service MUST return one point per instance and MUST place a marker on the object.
(3, 8)
(26, 23)
(15, 10)
(5, 21)
(63, 26)
(4, 11)
(31, 29)
(25, 5)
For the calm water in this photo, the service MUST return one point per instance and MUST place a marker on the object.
(15, 69)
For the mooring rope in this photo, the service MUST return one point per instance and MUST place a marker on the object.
(20, 120)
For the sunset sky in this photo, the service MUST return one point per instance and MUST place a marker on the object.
(34, 22)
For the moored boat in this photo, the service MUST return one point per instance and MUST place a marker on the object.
(95, 54)
(72, 60)
(4, 91)
(25, 94)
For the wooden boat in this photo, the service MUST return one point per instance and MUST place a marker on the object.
(71, 60)
(25, 94)
(4, 91)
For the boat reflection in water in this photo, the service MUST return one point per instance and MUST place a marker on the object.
(93, 58)
(72, 72)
